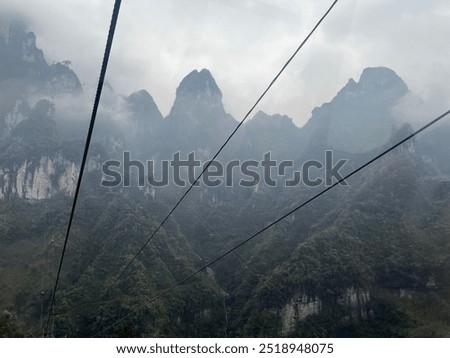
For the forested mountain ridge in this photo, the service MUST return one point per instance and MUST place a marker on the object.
(368, 259)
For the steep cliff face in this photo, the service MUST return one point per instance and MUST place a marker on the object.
(317, 273)
(353, 302)
(41, 179)
(33, 165)
(298, 309)
(21, 61)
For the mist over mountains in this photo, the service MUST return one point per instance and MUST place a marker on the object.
(369, 259)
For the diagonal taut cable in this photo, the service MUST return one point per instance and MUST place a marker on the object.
(284, 216)
(205, 168)
(98, 94)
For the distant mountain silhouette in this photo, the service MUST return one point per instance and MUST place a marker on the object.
(371, 259)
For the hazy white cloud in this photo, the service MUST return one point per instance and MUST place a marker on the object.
(244, 44)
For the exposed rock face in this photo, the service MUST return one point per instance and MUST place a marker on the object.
(302, 306)
(22, 60)
(42, 179)
(298, 309)
(390, 228)
(32, 163)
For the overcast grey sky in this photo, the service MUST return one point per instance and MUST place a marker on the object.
(245, 42)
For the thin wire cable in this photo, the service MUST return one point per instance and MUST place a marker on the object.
(98, 94)
(346, 177)
(41, 294)
(211, 234)
(205, 168)
(248, 266)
